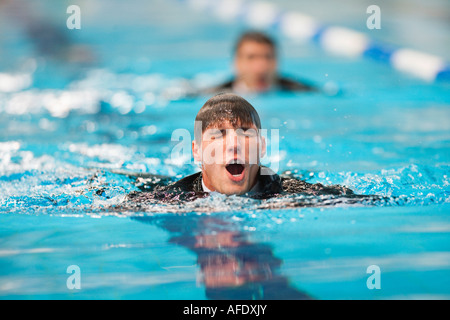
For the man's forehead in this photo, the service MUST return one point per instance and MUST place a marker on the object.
(251, 45)
(226, 124)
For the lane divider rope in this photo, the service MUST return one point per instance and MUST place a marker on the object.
(335, 39)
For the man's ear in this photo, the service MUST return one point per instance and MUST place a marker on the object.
(196, 151)
(263, 147)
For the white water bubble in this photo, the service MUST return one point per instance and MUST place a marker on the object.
(317, 139)
(149, 130)
(139, 107)
(123, 101)
(14, 82)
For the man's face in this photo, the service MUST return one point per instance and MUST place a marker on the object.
(230, 157)
(256, 65)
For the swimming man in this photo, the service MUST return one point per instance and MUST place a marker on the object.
(255, 64)
(228, 146)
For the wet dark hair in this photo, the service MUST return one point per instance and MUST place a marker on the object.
(225, 107)
(255, 36)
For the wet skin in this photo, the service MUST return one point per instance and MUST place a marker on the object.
(230, 157)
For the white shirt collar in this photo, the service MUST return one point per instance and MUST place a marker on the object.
(205, 189)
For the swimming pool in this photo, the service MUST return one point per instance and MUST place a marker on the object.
(77, 138)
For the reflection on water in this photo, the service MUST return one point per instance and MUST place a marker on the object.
(231, 265)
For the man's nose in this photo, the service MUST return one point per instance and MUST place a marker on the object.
(233, 142)
(263, 64)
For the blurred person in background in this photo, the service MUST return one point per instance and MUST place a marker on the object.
(255, 65)
(49, 39)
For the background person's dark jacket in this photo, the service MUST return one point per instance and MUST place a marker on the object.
(281, 84)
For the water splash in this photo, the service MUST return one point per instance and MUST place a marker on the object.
(99, 180)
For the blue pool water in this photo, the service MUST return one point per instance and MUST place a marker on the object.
(77, 137)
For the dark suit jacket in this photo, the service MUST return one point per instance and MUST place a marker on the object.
(190, 188)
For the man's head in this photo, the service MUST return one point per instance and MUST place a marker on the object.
(228, 144)
(255, 61)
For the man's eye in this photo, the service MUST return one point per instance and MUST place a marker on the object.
(217, 135)
(247, 132)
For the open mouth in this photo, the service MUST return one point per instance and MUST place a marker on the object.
(235, 169)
